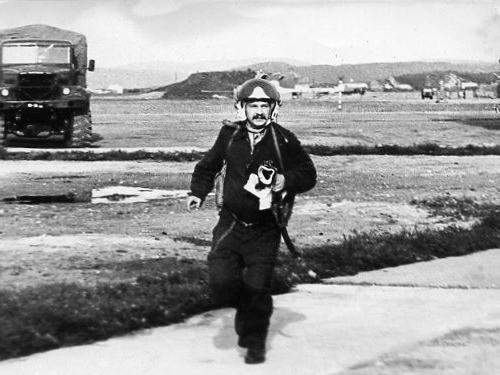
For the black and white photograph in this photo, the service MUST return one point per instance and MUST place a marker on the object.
(212, 187)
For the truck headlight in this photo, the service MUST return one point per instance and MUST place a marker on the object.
(66, 91)
(5, 92)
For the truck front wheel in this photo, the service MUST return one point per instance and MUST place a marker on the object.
(80, 134)
(3, 132)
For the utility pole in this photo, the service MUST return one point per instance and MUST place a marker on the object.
(341, 88)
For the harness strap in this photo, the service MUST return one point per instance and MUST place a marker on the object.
(277, 147)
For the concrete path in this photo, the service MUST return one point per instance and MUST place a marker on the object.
(438, 317)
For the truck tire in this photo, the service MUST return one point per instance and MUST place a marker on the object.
(3, 133)
(81, 133)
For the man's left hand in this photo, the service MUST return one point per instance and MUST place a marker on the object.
(279, 183)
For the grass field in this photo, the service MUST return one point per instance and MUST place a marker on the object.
(369, 122)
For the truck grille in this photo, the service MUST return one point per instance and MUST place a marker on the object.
(37, 86)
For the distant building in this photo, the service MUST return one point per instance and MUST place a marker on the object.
(452, 83)
(115, 89)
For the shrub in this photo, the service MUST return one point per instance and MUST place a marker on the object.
(50, 316)
(456, 207)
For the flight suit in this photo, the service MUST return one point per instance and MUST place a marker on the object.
(246, 239)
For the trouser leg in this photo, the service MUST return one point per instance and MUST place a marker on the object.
(224, 266)
(241, 264)
(255, 308)
(256, 305)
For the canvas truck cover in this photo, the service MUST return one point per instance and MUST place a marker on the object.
(50, 33)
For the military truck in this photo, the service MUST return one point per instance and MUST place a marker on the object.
(427, 92)
(43, 84)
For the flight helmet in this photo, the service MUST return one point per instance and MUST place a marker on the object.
(257, 89)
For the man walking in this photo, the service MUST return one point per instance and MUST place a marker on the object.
(261, 159)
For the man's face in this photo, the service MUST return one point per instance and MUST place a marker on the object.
(258, 113)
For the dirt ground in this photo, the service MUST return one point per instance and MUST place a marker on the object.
(77, 242)
(80, 242)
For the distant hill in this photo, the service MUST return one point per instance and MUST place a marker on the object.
(206, 85)
(321, 74)
(162, 73)
(165, 73)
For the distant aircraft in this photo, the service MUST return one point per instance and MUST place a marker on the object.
(289, 87)
(344, 88)
(392, 85)
(354, 88)
(323, 91)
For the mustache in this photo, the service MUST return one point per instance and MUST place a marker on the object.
(259, 116)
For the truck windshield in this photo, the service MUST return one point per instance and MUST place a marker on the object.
(31, 53)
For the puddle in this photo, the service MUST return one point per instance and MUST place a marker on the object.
(130, 194)
(109, 194)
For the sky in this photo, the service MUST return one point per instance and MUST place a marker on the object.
(333, 32)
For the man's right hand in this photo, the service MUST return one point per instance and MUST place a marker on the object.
(193, 202)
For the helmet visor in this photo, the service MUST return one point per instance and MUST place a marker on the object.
(258, 89)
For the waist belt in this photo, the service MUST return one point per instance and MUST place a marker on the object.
(246, 224)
